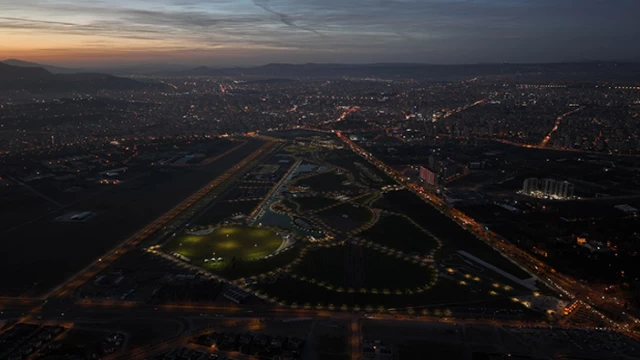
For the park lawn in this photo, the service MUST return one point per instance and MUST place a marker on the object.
(452, 235)
(314, 202)
(244, 269)
(396, 232)
(291, 205)
(326, 181)
(238, 243)
(346, 217)
(444, 294)
(347, 160)
(356, 267)
(366, 199)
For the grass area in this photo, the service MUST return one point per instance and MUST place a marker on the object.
(314, 202)
(223, 210)
(453, 236)
(356, 267)
(240, 269)
(288, 204)
(326, 181)
(346, 217)
(366, 199)
(445, 293)
(398, 233)
(364, 172)
(233, 243)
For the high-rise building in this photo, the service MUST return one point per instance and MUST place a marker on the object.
(564, 189)
(429, 177)
(530, 185)
(449, 169)
(548, 188)
(434, 162)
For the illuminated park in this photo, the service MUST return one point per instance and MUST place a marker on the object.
(219, 247)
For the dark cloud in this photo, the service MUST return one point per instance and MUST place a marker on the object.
(354, 30)
(284, 18)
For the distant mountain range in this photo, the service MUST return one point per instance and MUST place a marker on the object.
(49, 68)
(30, 77)
(570, 71)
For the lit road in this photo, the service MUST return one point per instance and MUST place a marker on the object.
(97, 312)
(355, 338)
(463, 108)
(546, 139)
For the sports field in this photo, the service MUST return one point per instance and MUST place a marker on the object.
(226, 244)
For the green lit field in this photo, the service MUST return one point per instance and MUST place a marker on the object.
(232, 244)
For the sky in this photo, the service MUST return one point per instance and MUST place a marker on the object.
(255, 32)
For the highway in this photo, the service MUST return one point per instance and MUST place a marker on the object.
(546, 139)
(463, 108)
(87, 313)
(537, 146)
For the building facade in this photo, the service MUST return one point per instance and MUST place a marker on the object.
(429, 177)
(549, 188)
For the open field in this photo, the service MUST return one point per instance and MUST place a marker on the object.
(65, 248)
(361, 170)
(356, 267)
(314, 202)
(245, 269)
(453, 236)
(445, 294)
(398, 233)
(232, 243)
(327, 181)
(346, 217)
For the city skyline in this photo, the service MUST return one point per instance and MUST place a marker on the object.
(247, 33)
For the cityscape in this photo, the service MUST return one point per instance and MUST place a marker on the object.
(219, 208)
